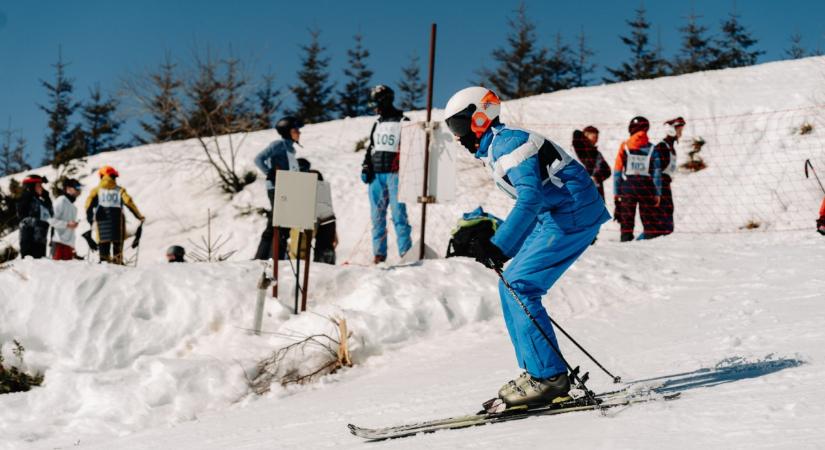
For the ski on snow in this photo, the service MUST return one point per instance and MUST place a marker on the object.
(623, 397)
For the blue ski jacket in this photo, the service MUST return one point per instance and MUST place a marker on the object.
(279, 155)
(542, 178)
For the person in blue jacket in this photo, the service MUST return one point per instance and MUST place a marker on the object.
(279, 155)
(380, 171)
(557, 214)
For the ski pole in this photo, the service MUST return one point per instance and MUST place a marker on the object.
(808, 164)
(615, 378)
(575, 374)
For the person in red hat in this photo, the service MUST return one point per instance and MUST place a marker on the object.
(105, 206)
(34, 210)
(637, 181)
(665, 152)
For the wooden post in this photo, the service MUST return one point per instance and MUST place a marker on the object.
(306, 272)
(424, 196)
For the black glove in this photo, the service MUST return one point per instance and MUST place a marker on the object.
(367, 174)
(488, 254)
(91, 242)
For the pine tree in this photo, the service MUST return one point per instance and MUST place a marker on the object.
(696, 53)
(12, 152)
(796, 51)
(644, 63)
(556, 67)
(517, 73)
(163, 105)
(102, 127)
(734, 45)
(269, 101)
(60, 109)
(312, 93)
(581, 67)
(411, 88)
(353, 101)
(204, 94)
(234, 114)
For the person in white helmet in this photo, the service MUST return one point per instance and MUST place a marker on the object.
(557, 214)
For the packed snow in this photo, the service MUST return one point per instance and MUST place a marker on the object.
(159, 356)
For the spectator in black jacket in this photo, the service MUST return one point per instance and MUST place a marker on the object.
(34, 209)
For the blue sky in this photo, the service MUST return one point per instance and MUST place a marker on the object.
(108, 41)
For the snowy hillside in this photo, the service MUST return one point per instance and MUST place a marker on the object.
(158, 356)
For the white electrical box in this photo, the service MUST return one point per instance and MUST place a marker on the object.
(295, 200)
(441, 182)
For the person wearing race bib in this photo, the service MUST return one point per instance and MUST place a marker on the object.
(556, 216)
(279, 155)
(637, 180)
(666, 152)
(380, 171)
(104, 206)
(34, 210)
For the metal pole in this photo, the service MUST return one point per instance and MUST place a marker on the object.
(424, 196)
(298, 269)
(276, 238)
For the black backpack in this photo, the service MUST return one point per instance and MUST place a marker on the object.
(474, 226)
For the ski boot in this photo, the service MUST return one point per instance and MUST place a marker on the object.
(531, 391)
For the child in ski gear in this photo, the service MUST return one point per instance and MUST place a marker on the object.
(104, 206)
(279, 155)
(556, 216)
(175, 254)
(584, 143)
(34, 210)
(665, 152)
(64, 221)
(637, 180)
(380, 171)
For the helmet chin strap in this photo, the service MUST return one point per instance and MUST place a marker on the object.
(470, 142)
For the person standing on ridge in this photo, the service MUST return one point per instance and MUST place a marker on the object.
(34, 210)
(105, 206)
(64, 221)
(556, 216)
(637, 180)
(666, 153)
(380, 171)
(584, 143)
(279, 155)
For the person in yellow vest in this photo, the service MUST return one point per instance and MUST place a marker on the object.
(105, 206)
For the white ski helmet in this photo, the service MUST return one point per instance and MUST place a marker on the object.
(472, 109)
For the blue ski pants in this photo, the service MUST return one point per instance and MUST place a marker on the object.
(546, 253)
(383, 191)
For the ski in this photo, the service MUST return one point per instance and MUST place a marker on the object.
(607, 400)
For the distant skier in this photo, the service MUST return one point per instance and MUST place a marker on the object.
(584, 143)
(64, 221)
(665, 152)
(820, 223)
(380, 171)
(637, 180)
(279, 155)
(105, 207)
(34, 210)
(557, 214)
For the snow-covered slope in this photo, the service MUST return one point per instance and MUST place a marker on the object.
(129, 350)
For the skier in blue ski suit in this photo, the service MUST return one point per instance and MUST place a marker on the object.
(556, 216)
(380, 171)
